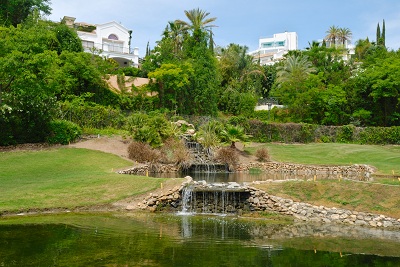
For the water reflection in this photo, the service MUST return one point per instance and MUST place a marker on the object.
(171, 240)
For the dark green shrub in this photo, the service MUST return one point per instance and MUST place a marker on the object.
(151, 128)
(345, 134)
(63, 132)
(92, 115)
(379, 135)
(239, 121)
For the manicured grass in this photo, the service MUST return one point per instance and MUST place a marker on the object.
(65, 178)
(384, 158)
(367, 197)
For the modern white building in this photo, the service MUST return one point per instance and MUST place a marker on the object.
(110, 40)
(272, 49)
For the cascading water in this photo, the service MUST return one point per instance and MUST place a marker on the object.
(187, 197)
(203, 161)
(213, 199)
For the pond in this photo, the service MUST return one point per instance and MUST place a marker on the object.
(148, 239)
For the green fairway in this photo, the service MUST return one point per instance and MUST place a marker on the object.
(65, 178)
(384, 158)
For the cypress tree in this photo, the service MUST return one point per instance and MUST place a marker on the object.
(383, 35)
(148, 49)
(378, 34)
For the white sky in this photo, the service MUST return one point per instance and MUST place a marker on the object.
(241, 22)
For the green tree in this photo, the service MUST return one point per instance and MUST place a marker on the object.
(26, 85)
(173, 81)
(378, 34)
(362, 47)
(198, 20)
(14, 12)
(383, 33)
(294, 70)
(384, 89)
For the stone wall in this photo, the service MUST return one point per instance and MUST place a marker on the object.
(354, 172)
(261, 201)
(154, 168)
(254, 200)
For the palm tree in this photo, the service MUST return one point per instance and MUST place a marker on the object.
(197, 20)
(175, 31)
(344, 35)
(332, 35)
(295, 70)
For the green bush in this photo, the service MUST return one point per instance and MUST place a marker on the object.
(151, 128)
(63, 132)
(345, 134)
(91, 115)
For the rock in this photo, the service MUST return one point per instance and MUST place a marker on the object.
(387, 224)
(335, 217)
(360, 222)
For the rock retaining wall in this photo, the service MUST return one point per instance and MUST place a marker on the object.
(154, 168)
(258, 200)
(355, 172)
(261, 201)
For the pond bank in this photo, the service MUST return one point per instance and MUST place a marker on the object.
(257, 200)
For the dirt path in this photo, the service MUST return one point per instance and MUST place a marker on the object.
(114, 145)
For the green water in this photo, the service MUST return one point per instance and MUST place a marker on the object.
(142, 239)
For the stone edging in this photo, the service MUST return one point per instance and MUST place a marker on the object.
(261, 201)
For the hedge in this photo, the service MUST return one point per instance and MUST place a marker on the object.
(306, 133)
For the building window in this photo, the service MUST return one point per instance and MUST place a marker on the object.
(87, 44)
(112, 37)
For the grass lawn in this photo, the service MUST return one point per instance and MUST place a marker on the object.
(384, 158)
(367, 197)
(65, 178)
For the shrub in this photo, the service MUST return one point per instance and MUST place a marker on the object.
(262, 155)
(152, 128)
(175, 151)
(63, 132)
(227, 155)
(345, 134)
(143, 153)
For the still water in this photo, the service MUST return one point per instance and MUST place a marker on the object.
(143, 239)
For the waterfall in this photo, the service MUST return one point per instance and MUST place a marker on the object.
(216, 200)
(203, 159)
(187, 198)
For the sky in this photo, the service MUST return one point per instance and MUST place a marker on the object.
(241, 22)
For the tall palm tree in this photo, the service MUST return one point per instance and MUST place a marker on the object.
(197, 20)
(295, 69)
(344, 35)
(332, 35)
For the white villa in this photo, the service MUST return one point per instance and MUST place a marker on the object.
(272, 49)
(111, 40)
